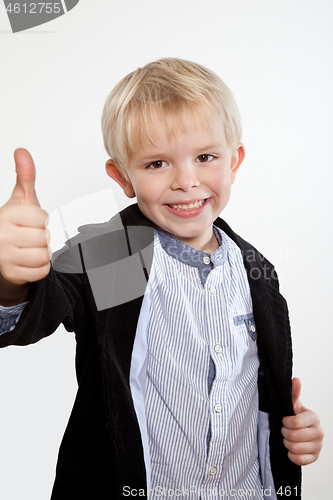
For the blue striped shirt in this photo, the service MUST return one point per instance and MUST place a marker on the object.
(202, 374)
(9, 316)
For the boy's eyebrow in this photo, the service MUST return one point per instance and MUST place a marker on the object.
(150, 155)
(209, 146)
(158, 154)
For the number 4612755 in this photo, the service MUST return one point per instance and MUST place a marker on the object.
(34, 8)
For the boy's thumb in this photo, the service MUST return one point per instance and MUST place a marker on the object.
(296, 393)
(24, 190)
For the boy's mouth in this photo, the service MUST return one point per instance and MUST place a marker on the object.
(188, 206)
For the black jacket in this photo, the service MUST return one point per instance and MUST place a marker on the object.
(101, 450)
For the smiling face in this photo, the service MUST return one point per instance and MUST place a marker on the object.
(183, 183)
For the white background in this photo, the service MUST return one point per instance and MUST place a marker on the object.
(276, 56)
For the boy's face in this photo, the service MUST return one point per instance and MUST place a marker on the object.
(182, 184)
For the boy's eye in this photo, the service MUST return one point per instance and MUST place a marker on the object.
(205, 158)
(156, 164)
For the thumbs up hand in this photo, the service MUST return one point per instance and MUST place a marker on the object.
(302, 432)
(24, 252)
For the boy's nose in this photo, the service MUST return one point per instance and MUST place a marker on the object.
(185, 178)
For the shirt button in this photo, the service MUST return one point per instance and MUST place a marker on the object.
(213, 471)
(218, 408)
(218, 348)
(206, 259)
(212, 290)
(252, 327)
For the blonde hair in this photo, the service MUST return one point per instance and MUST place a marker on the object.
(168, 88)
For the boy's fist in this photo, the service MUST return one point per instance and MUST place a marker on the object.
(24, 252)
(303, 434)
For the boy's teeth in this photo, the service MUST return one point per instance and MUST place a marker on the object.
(196, 204)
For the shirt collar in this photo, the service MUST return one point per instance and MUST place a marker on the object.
(189, 255)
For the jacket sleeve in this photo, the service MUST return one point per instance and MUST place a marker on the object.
(58, 298)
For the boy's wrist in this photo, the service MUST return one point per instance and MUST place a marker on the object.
(12, 294)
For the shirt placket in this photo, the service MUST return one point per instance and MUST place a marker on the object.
(218, 339)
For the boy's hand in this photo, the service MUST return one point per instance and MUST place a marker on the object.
(303, 434)
(24, 252)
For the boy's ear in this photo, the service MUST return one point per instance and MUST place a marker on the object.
(236, 161)
(117, 175)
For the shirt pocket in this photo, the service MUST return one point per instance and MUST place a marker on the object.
(248, 322)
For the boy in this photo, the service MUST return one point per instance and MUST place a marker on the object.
(183, 340)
